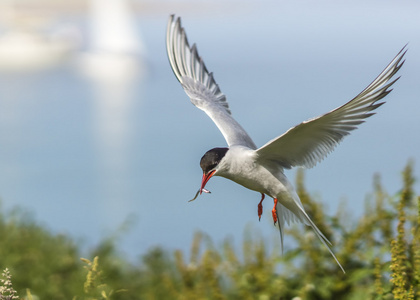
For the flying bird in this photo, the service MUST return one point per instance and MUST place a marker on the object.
(262, 169)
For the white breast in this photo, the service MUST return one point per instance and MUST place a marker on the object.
(240, 166)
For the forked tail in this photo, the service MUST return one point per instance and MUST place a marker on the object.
(284, 214)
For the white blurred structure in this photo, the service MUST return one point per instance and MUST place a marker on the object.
(115, 48)
(114, 65)
(25, 46)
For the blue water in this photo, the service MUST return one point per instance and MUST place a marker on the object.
(87, 156)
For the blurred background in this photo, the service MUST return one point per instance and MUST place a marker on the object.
(97, 135)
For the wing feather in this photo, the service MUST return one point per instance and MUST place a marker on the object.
(200, 86)
(311, 141)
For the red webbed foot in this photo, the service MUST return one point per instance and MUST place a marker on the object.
(274, 211)
(260, 207)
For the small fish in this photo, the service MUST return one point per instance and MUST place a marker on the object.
(198, 192)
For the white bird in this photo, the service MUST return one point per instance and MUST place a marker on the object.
(262, 169)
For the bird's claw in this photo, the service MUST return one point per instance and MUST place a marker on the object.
(260, 207)
(274, 211)
(274, 216)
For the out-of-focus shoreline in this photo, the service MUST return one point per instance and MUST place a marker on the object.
(48, 8)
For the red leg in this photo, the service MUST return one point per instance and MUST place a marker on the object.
(274, 211)
(260, 208)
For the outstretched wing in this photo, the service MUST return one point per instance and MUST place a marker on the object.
(200, 85)
(311, 141)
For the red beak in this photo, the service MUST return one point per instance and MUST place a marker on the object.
(206, 177)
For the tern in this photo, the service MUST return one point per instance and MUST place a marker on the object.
(262, 169)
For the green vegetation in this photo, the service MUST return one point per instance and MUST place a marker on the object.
(380, 252)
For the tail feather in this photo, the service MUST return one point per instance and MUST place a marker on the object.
(321, 236)
(280, 221)
(284, 215)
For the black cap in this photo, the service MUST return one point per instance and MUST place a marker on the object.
(212, 158)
